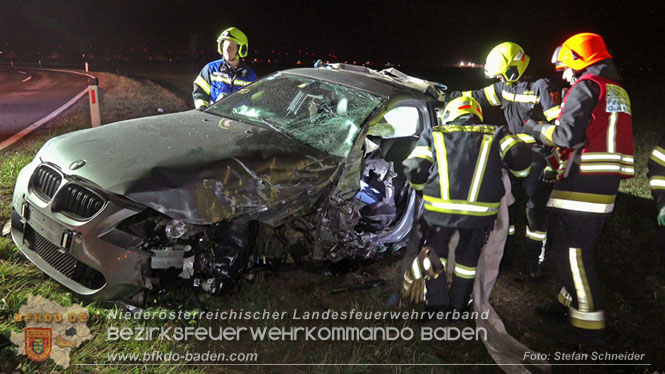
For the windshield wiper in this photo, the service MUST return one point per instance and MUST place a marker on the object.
(265, 122)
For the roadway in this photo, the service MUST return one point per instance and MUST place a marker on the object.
(28, 96)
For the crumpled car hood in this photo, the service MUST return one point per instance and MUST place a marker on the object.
(194, 166)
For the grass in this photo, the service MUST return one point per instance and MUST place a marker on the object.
(634, 285)
(124, 98)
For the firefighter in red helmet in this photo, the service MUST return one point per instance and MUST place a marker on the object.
(594, 139)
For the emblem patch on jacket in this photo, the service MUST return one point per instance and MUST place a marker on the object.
(617, 99)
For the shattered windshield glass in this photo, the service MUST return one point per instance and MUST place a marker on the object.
(324, 115)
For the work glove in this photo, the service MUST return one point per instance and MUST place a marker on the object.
(661, 216)
(426, 265)
(548, 175)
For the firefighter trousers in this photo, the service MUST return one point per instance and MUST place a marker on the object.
(471, 242)
(573, 239)
(537, 192)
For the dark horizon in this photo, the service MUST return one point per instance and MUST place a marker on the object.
(422, 33)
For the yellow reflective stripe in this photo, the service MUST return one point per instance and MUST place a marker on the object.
(506, 143)
(536, 235)
(584, 297)
(442, 161)
(520, 98)
(526, 138)
(522, 173)
(490, 94)
(511, 230)
(586, 320)
(581, 202)
(468, 128)
(460, 207)
(422, 151)
(552, 113)
(657, 183)
(240, 82)
(614, 158)
(612, 133)
(205, 86)
(599, 168)
(627, 170)
(658, 156)
(564, 297)
(198, 103)
(465, 271)
(467, 93)
(582, 196)
(601, 156)
(600, 162)
(548, 133)
(417, 187)
(219, 78)
(481, 164)
(442, 164)
(415, 269)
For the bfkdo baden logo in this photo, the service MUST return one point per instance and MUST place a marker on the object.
(51, 330)
(38, 343)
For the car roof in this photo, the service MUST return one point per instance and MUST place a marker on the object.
(388, 82)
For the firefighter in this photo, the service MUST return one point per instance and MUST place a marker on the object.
(458, 167)
(594, 137)
(222, 77)
(657, 182)
(518, 100)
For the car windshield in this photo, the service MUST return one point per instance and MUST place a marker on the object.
(324, 115)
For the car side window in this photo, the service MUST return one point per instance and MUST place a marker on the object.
(398, 122)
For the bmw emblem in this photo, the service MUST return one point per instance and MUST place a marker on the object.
(76, 164)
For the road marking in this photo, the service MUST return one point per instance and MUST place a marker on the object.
(19, 135)
(27, 79)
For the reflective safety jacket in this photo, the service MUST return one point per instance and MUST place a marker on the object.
(458, 166)
(218, 79)
(595, 139)
(520, 101)
(656, 173)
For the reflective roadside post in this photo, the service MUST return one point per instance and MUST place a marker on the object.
(94, 98)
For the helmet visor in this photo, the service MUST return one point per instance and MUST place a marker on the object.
(556, 60)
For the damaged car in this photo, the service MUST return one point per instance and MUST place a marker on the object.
(304, 165)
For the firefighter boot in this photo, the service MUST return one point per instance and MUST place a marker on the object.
(584, 339)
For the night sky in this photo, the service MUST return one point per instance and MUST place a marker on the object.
(430, 33)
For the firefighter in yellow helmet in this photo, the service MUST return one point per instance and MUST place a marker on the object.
(594, 140)
(520, 100)
(222, 77)
(458, 167)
